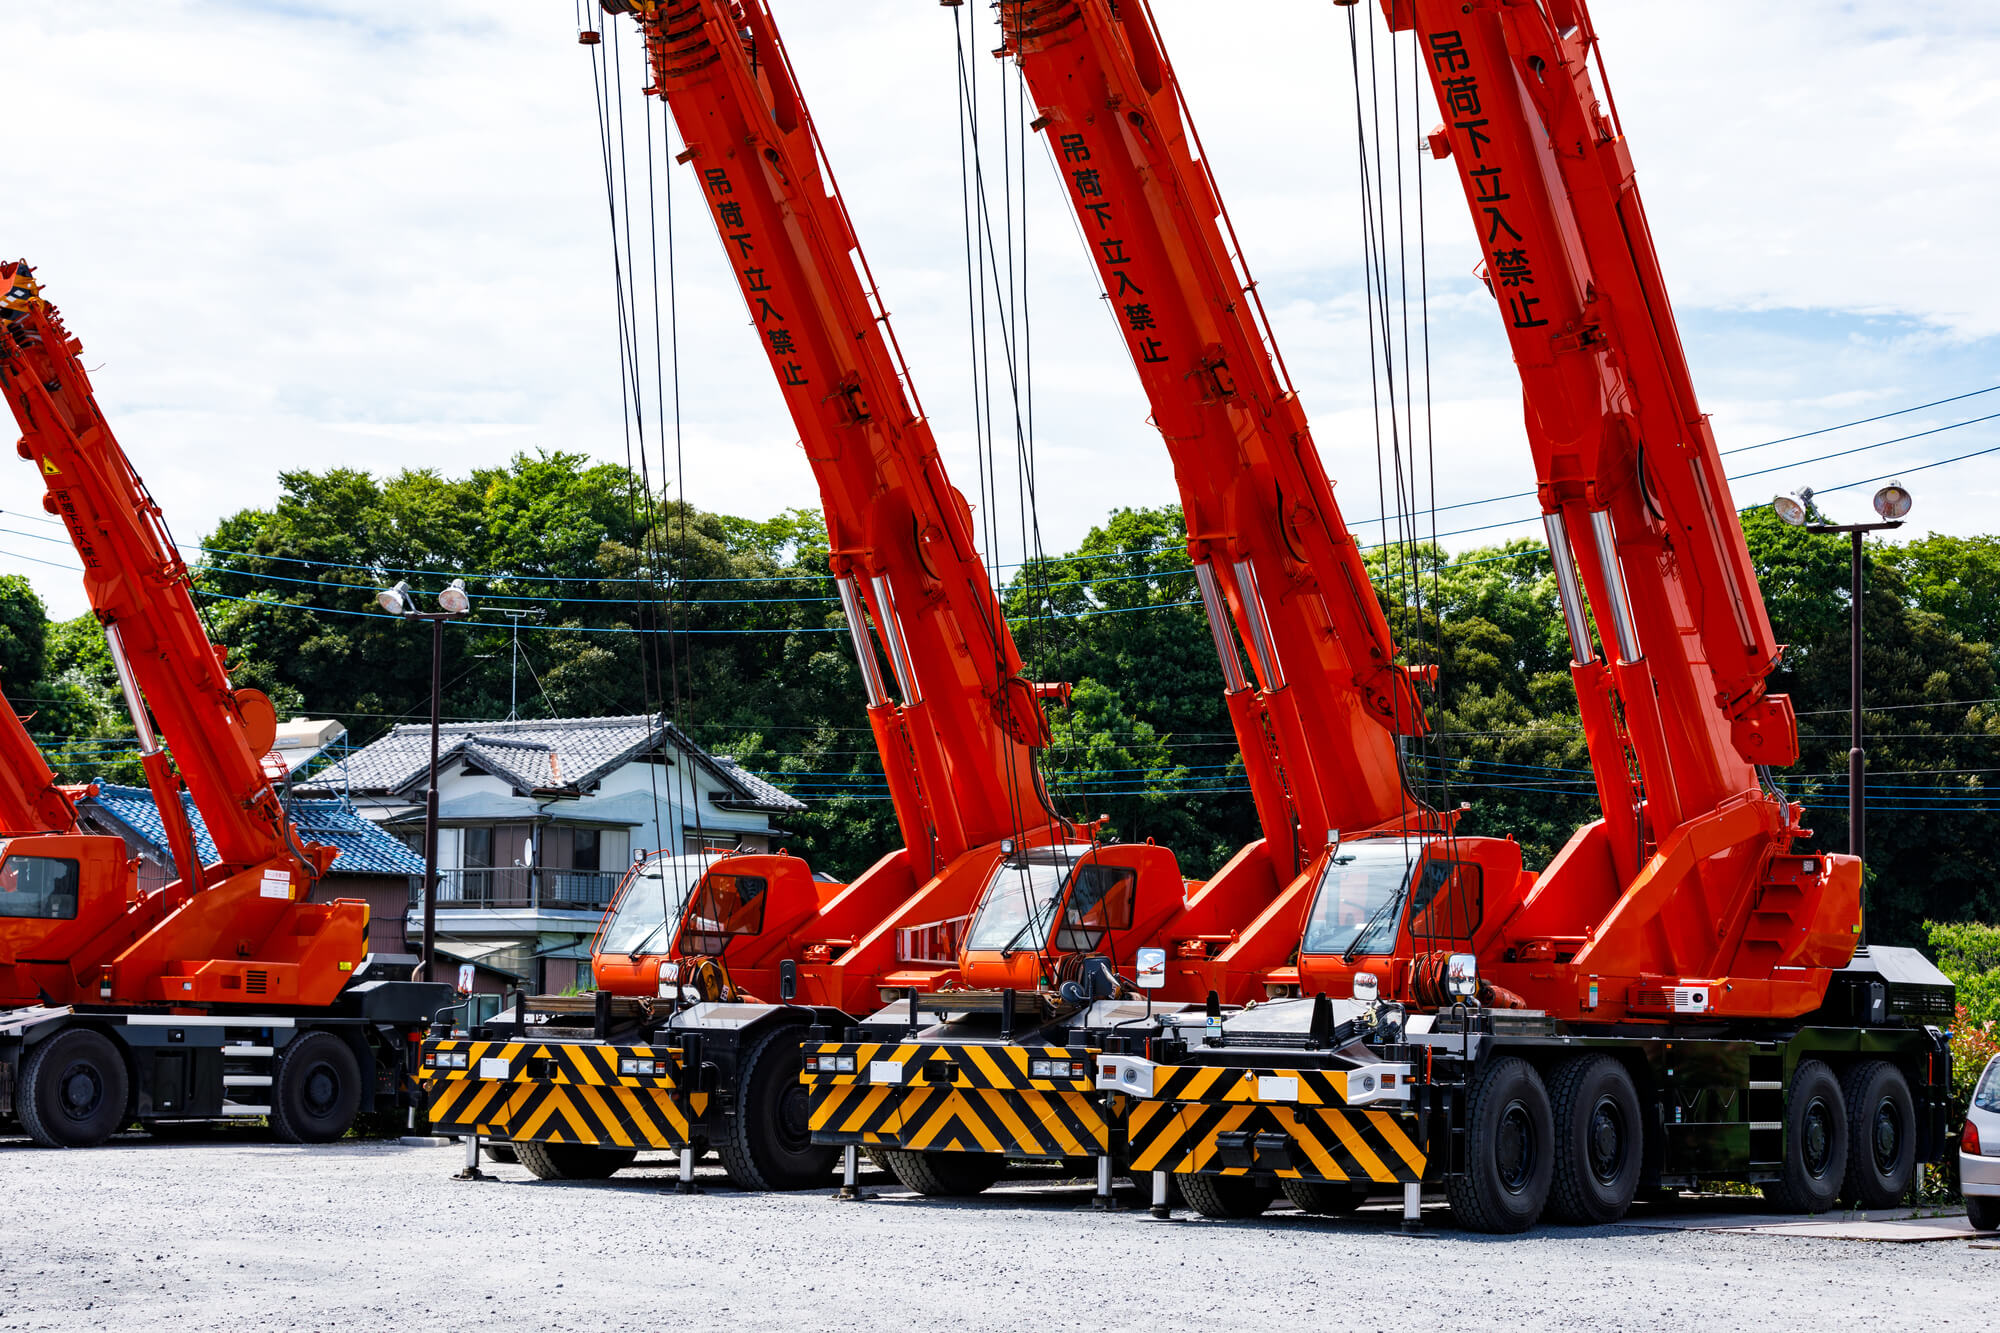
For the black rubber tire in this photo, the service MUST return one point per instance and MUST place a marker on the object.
(1881, 1135)
(572, 1161)
(1600, 1140)
(502, 1153)
(946, 1175)
(1983, 1211)
(1228, 1198)
(1815, 1142)
(316, 1090)
(74, 1090)
(768, 1145)
(1509, 1151)
(1324, 1197)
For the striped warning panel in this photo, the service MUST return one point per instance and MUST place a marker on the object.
(1236, 1138)
(561, 1092)
(1210, 1083)
(964, 1097)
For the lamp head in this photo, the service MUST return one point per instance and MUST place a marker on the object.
(1892, 501)
(454, 599)
(1791, 509)
(396, 601)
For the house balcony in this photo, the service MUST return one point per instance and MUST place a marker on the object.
(523, 887)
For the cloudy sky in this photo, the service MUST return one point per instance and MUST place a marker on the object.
(374, 234)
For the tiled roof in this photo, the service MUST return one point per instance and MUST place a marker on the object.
(364, 848)
(561, 756)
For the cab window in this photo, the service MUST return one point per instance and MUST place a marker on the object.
(1100, 900)
(724, 907)
(43, 887)
(1448, 901)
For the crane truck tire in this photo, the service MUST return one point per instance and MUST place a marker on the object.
(946, 1175)
(1815, 1142)
(1881, 1135)
(317, 1090)
(768, 1145)
(74, 1090)
(1599, 1142)
(502, 1153)
(1509, 1150)
(1228, 1197)
(572, 1161)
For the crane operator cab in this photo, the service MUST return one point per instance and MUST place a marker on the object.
(717, 922)
(1399, 909)
(56, 891)
(1046, 910)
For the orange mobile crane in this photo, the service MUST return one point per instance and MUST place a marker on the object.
(169, 1005)
(1676, 997)
(983, 848)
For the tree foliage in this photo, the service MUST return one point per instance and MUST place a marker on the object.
(633, 602)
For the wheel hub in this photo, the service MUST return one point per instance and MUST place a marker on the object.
(1888, 1136)
(1514, 1148)
(795, 1118)
(1607, 1141)
(82, 1090)
(321, 1089)
(1817, 1140)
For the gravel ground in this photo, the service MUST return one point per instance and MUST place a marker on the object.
(237, 1234)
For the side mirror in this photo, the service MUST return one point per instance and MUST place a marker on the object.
(788, 981)
(1151, 970)
(1461, 975)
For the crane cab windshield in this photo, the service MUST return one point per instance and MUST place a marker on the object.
(653, 894)
(1020, 906)
(1358, 905)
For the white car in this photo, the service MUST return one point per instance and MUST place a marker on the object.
(1979, 1152)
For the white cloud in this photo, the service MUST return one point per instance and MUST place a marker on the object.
(374, 235)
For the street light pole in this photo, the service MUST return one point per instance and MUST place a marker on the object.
(1892, 502)
(453, 603)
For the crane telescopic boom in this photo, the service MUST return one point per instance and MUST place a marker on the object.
(959, 744)
(1319, 722)
(1689, 875)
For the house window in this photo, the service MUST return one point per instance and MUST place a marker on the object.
(478, 848)
(585, 856)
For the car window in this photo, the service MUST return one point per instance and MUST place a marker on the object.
(1988, 1096)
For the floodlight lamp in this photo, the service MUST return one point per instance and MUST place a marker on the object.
(454, 599)
(1892, 501)
(396, 600)
(1789, 509)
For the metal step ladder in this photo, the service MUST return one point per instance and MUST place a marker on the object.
(247, 1071)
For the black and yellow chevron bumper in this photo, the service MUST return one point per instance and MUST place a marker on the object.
(1284, 1122)
(561, 1092)
(973, 1097)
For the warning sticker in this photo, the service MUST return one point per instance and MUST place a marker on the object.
(276, 884)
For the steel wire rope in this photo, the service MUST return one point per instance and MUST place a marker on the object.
(979, 245)
(639, 498)
(1376, 302)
